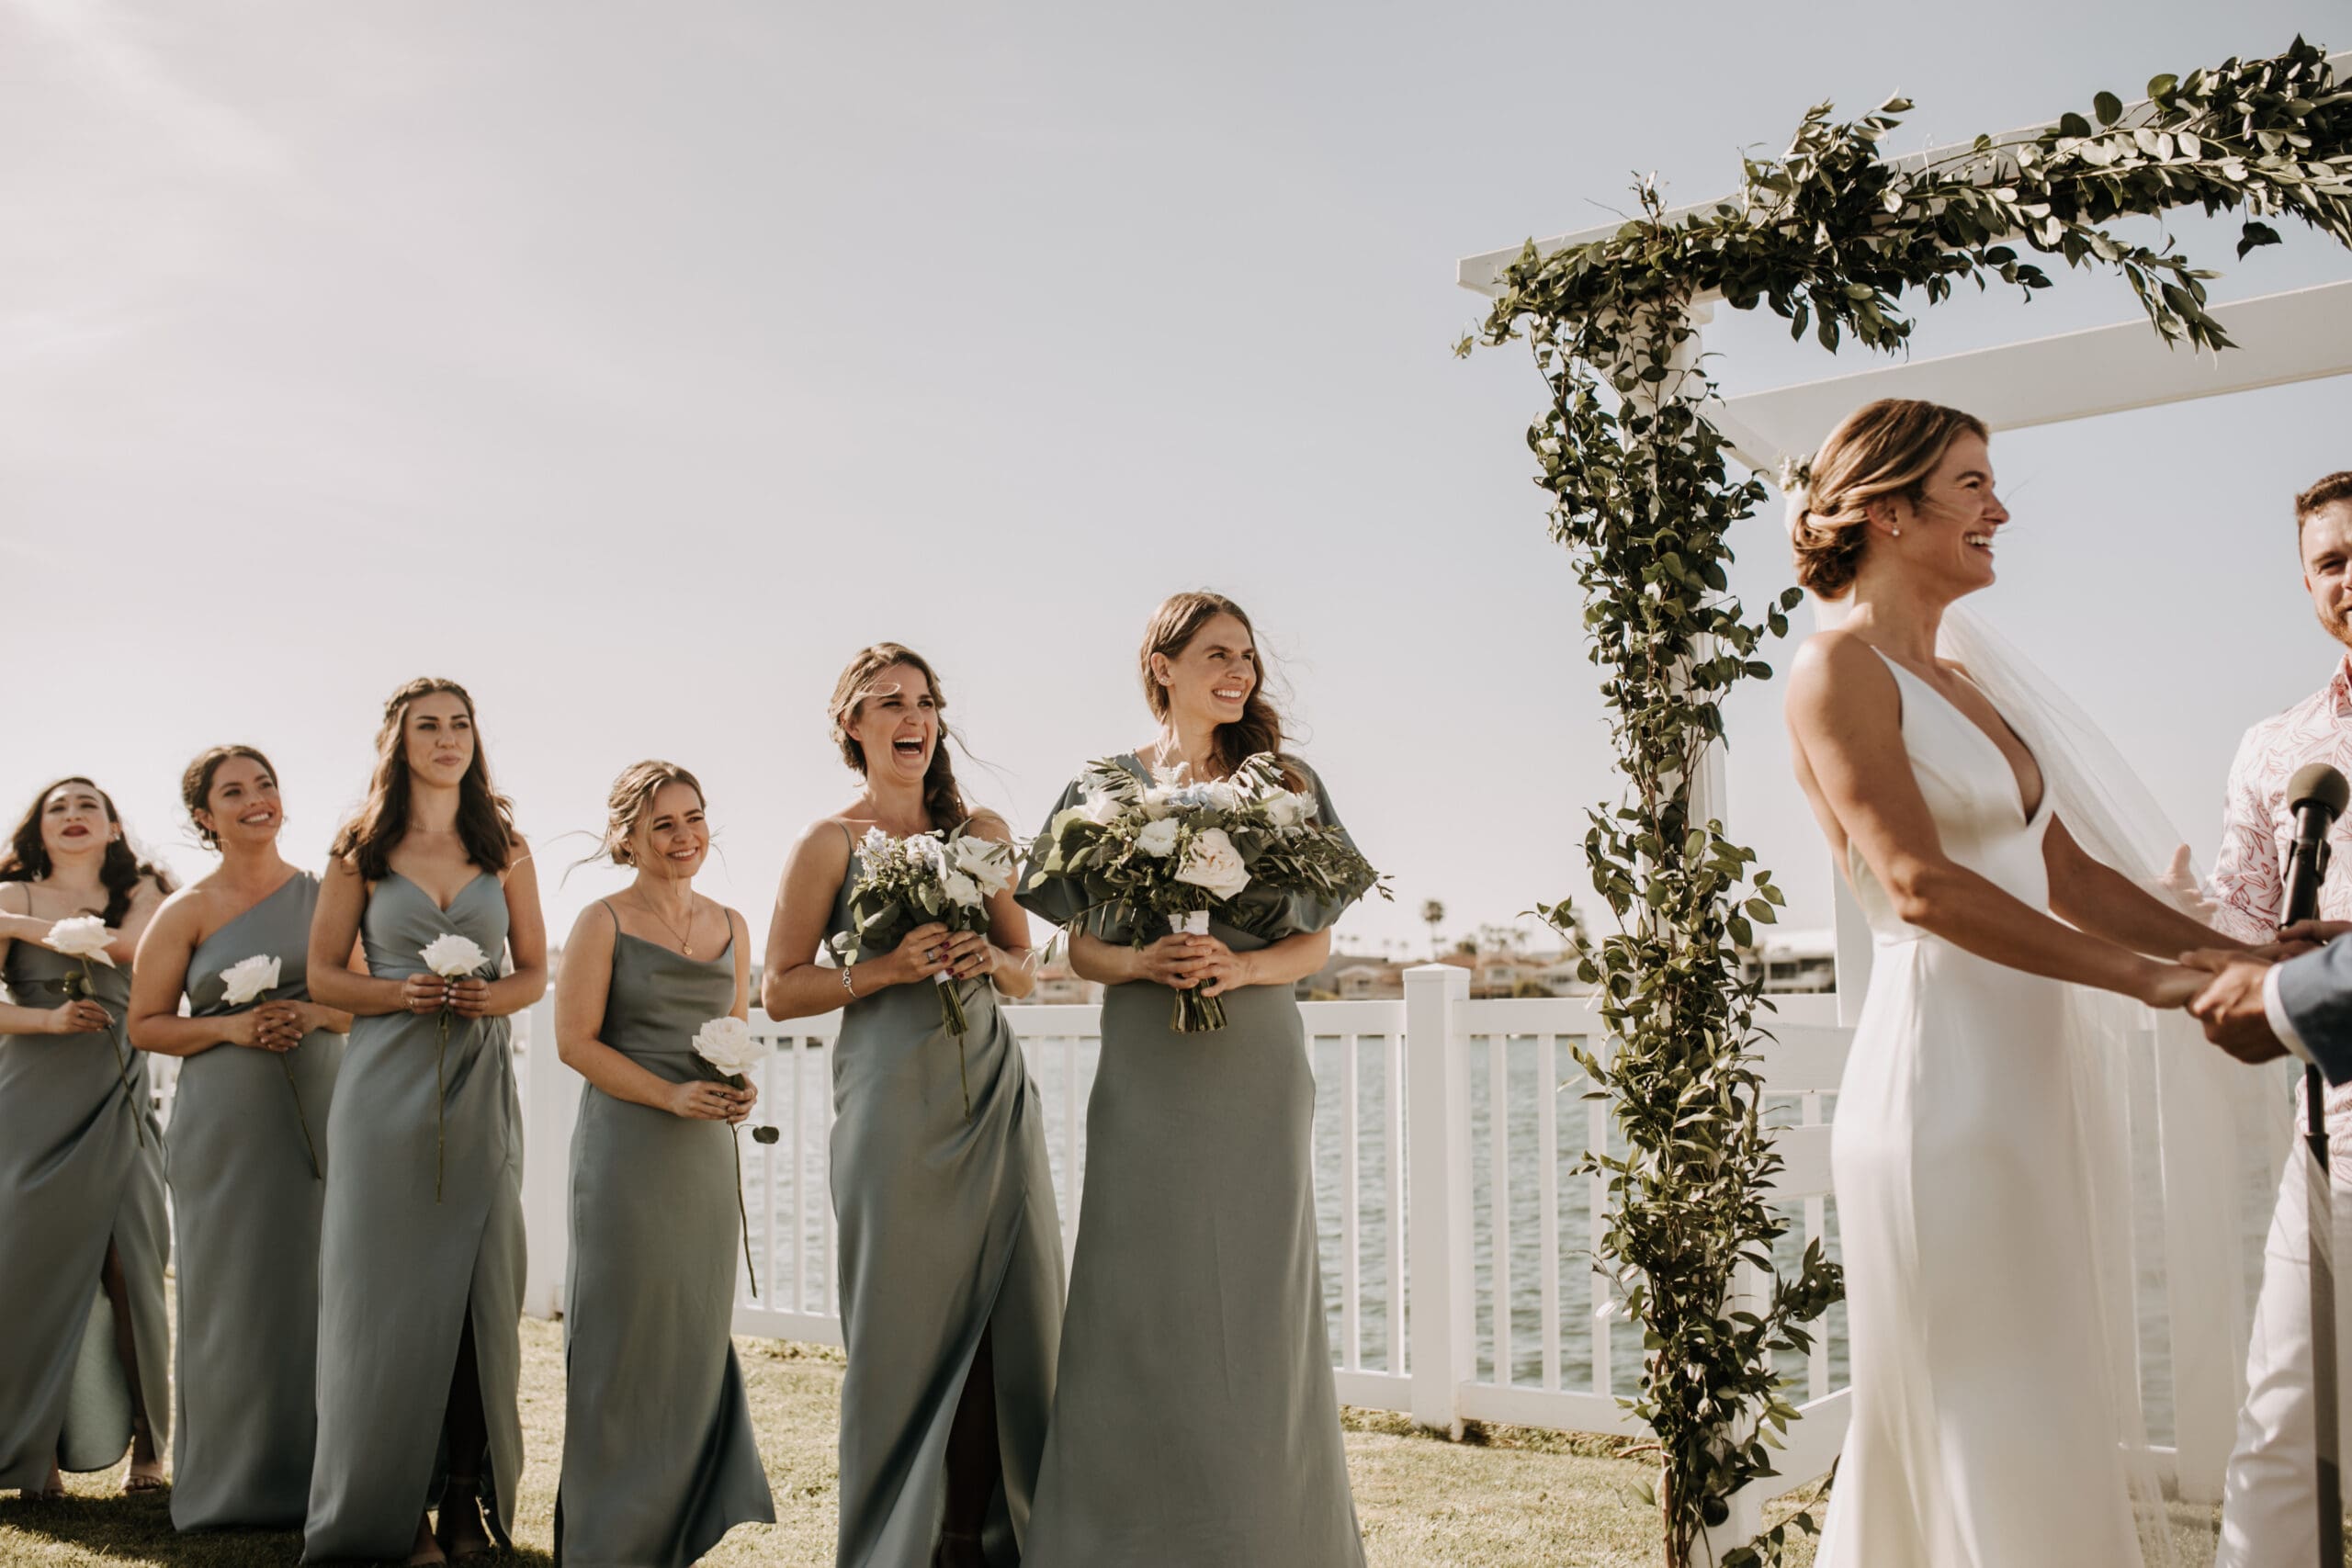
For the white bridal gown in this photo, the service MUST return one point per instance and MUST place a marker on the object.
(1985, 1428)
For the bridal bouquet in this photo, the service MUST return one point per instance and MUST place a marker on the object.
(905, 883)
(1173, 851)
(84, 937)
(728, 1045)
(248, 980)
(454, 958)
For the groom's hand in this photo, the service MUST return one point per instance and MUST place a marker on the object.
(2230, 1006)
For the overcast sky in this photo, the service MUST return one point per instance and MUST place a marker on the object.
(635, 365)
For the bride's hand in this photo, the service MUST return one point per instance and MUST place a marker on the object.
(2168, 986)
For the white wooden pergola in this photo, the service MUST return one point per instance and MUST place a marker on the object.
(2301, 335)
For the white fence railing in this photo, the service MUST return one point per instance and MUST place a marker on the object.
(1456, 1234)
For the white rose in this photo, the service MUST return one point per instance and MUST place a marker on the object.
(248, 979)
(1212, 862)
(1287, 808)
(727, 1044)
(1159, 837)
(453, 957)
(960, 889)
(83, 937)
(1100, 810)
(985, 861)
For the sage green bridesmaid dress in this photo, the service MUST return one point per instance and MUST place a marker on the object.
(80, 1167)
(402, 1272)
(1195, 1424)
(245, 1207)
(948, 1227)
(659, 1459)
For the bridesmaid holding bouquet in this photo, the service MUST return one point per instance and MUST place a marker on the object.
(659, 1459)
(83, 1235)
(1195, 1421)
(421, 1254)
(248, 1151)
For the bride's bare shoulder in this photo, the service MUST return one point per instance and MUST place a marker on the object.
(1837, 655)
(1838, 677)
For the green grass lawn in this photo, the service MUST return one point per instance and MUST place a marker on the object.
(1516, 1497)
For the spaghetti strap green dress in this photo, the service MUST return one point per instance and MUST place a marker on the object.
(1195, 1424)
(659, 1459)
(81, 1169)
(401, 1271)
(246, 1208)
(948, 1229)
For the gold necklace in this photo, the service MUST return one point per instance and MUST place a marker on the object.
(686, 937)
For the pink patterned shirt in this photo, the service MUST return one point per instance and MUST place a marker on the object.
(2249, 887)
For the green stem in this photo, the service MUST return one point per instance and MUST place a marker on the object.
(79, 985)
(440, 1100)
(951, 1011)
(735, 1142)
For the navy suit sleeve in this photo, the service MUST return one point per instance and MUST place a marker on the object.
(2316, 992)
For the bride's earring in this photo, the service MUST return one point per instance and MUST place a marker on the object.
(1894, 533)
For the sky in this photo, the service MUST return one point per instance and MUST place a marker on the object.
(634, 366)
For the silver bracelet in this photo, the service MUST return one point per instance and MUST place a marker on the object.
(846, 968)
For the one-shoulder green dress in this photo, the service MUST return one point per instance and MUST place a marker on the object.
(1195, 1422)
(659, 1459)
(948, 1227)
(246, 1208)
(399, 1270)
(80, 1167)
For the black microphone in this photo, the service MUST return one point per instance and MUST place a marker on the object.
(2317, 796)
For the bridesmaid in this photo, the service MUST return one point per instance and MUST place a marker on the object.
(951, 1249)
(421, 1250)
(82, 1227)
(247, 1146)
(1196, 1421)
(658, 1456)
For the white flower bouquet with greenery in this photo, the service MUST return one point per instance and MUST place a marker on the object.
(1170, 853)
(909, 882)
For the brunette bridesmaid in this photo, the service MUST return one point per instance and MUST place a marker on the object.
(248, 1150)
(83, 1241)
(951, 1246)
(421, 1254)
(1195, 1421)
(658, 1456)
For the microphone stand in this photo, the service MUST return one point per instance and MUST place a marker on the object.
(2307, 866)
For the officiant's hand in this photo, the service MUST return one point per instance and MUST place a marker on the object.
(2178, 882)
(2230, 1006)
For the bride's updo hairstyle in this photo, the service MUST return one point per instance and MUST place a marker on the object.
(1173, 626)
(1881, 449)
(942, 800)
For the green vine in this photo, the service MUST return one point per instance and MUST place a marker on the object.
(1832, 236)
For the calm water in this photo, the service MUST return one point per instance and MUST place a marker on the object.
(1054, 1064)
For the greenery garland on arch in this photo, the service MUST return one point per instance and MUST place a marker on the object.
(1832, 236)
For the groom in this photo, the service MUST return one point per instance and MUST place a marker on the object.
(2257, 1010)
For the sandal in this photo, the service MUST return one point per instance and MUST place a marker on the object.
(137, 1482)
(461, 1534)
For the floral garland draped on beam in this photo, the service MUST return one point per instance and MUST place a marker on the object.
(1832, 236)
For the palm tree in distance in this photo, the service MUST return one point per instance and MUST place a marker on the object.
(1432, 914)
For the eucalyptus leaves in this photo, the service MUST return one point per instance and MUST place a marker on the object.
(1831, 235)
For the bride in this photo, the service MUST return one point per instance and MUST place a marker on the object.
(1975, 1154)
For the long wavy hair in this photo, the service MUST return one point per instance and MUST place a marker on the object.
(1173, 626)
(942, 800)
(485, 817)
(632, 796)
(25, 858)
(195, 784)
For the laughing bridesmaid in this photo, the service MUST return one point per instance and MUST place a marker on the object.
(421, 1253)
(951, 1253)
(248, 1151)
(658, 1456)
(82, 1228)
